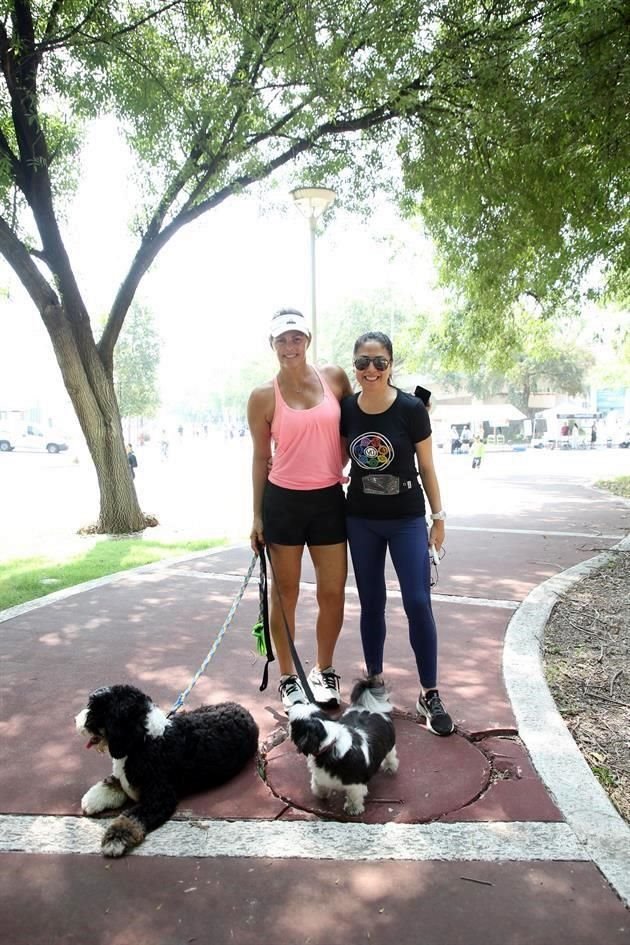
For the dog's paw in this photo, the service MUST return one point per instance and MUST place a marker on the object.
(122, 835)
(390, 762)
(354, 800)
(102, 796)
(89, 807)
(353, 807)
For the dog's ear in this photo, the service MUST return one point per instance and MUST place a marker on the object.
(124, 729)
(307, 735)
(118, 739)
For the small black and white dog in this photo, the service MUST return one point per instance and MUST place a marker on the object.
(343, 755)
(157, 760)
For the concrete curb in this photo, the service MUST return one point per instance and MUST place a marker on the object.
(319, 840)
(554, 753)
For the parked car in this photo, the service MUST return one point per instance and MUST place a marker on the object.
(32, 438)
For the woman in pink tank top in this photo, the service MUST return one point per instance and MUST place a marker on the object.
(300, 500)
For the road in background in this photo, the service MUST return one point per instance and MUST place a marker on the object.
(202, 489)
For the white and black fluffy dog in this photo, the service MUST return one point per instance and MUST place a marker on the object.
(343, 755)
(157, 760)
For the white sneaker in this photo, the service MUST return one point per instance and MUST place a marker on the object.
(324, 684)
(291, 692)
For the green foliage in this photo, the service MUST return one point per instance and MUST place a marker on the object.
(619, 486)
(608, 334)
(604, 775)
(541, 358)
(511, 121)
(136, 363)
(523, 179)
(560, 369)
(209, 92)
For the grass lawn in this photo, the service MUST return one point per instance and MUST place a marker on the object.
(619, 486)
(24, 579)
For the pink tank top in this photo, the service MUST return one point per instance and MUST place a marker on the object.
(307, 443)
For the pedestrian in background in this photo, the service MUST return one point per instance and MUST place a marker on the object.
(455, 440)
(575, 435)
(131, 459)
(164, 445)
(478, 449)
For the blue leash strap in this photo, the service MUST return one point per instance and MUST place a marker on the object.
(228, 620)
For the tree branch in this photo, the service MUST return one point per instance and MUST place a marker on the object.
(19, 64)
(151, 246)
(90, 40)
(404, 104)
(53, 14)
(222, 153)
(26, 59)
(197, 147)
(7, 152)
(19, 258)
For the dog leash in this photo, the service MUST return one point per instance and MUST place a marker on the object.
(261, 631)
(296, 659)
(228, 620)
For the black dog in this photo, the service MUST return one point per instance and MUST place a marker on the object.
(344, 755)
(157, 760)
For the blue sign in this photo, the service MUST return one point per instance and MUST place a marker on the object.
(611, 398)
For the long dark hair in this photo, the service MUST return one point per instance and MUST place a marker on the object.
(379, 337)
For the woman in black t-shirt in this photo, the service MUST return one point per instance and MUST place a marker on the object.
(386, 432)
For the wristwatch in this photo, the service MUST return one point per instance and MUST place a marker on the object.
(438, 516)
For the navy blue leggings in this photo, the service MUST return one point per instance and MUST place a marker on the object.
(409, 551)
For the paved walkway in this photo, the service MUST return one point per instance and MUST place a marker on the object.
(498, 834)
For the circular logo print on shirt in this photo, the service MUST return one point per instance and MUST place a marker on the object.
(372, 451)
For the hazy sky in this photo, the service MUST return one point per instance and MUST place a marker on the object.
(215, 285)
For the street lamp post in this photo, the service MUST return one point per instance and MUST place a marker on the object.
(312, 202)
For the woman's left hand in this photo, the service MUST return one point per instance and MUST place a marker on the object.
(436, 535)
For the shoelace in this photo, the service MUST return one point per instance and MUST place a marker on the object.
(289, 686)
(331, 679)
(435, 706)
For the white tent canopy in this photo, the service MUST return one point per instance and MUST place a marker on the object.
(497, 415)
(568, 411)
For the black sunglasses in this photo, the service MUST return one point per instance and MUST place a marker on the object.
(379, 362)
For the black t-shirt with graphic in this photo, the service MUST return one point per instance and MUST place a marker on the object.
(384, 443)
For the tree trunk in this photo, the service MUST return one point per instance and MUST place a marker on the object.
(91, 389)
(119, 512)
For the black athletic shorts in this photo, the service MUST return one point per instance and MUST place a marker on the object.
(304, 516)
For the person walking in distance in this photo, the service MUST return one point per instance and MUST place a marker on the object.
(164, 445)
(132, 460)
(387, 432)
(299, 501)
(455, 440)
(478, 449)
